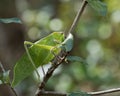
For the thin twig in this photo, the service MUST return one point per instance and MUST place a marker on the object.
(2, 68)
(109, 91)
(76, 20)
(9, 83)
(13, 90)
(105, 91)
(43, 70)
(50, 93)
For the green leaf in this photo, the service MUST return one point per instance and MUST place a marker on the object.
(67, 44)
(10, 20)
(4, 77)
(79, 94)
(75, 59)
(41, 54)
(99, 6)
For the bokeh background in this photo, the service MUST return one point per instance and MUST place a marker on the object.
(97, 40)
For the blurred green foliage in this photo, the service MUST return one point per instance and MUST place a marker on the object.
(97, 40)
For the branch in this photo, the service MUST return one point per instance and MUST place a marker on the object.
(9, 83)
(76, 20)
(105, 91)
(2, 68)
(50, 93)
(57, 61)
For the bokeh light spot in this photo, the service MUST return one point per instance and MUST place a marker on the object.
(105, 31)
(95, 51)
(56, 24)
(42, 18)
(115, 17)
(63, 83)
(28, 16)
(34, 33)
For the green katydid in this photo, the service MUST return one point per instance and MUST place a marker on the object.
(40, 52)
(66, 45)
